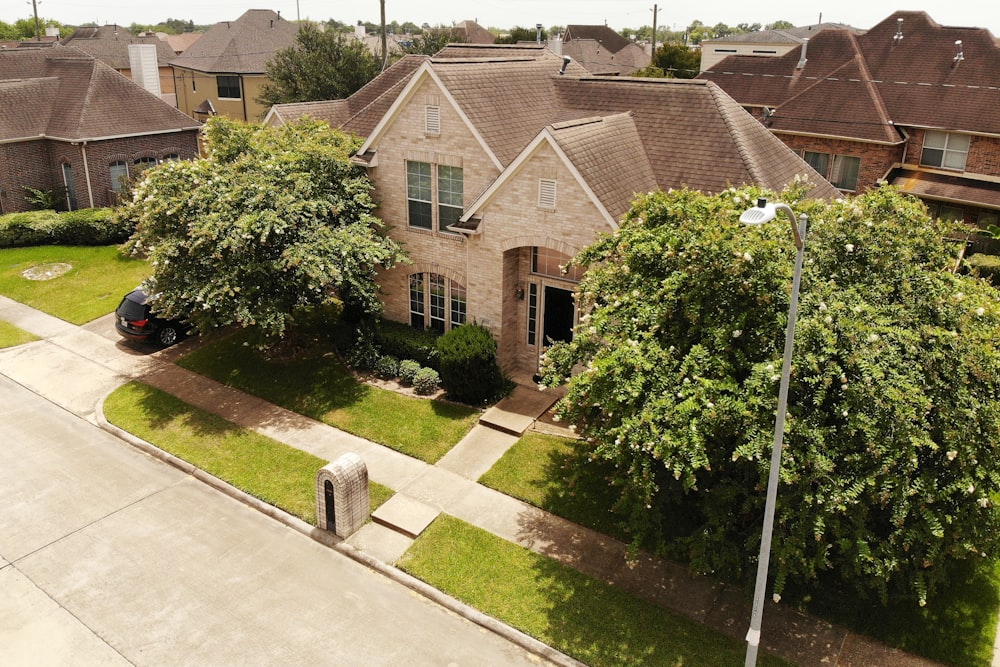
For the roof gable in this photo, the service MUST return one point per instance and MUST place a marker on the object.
(607, 37)
(110, 43)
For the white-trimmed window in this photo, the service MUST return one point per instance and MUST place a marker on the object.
(841, 170)
(419, 194)
(546, 193)
(948, 150)
(436, 302)
(119, 174)
(435, 195)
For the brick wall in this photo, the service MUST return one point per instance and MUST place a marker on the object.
(876, 159)
(38, 164)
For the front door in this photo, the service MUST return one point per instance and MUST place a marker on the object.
(557, 320)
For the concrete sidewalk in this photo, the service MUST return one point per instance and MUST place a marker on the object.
(76, 367)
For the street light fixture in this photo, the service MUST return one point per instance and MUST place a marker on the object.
(758, 215)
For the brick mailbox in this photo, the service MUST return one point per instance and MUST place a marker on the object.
(342, 502)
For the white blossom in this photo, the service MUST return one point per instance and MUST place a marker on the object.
(980, 311)
(951, 455)
(849, 247)
(737, 333)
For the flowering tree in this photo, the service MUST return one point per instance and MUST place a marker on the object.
(271, 221)
(889, 470)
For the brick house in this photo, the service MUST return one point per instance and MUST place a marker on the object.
(70, 122)
(909, 102)
(223, 71)
(492, 168)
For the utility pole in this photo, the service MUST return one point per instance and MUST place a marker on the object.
(385, 44)
(38, 29)
(652, 55)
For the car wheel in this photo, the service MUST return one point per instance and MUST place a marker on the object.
(168, 335)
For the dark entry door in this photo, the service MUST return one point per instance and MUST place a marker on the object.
(557, 323)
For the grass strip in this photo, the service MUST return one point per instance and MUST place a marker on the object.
(264, 468)
(587, 619)
(317, 385)
(100, 276)
(12, 336)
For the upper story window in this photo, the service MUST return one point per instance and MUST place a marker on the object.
(424, 181)
(841, 170)
(947, 150)
(229, 86)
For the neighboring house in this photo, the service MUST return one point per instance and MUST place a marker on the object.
(601, 50)
(765, 43)
(180, 43)
(70, 122)
(223, 71)
(909, 102)
(494, 165)
(111, 45)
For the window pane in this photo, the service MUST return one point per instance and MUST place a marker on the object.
(952, 213)
(119, 174)
(450, 197)
(845, 172)
(818, 161)
(417, 300)
(954, 160)
(532, 312)
(418, 192)
(459, 305)
(932, 157)
(549, 262)
(437, 302)
(229, 86)
(935, 139)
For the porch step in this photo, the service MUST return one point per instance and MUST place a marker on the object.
(516, 413)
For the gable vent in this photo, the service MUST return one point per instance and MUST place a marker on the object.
(432, 120)
(546, 193)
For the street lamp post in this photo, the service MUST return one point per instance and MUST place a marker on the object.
(758, 215)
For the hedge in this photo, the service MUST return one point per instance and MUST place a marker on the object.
(88, 226)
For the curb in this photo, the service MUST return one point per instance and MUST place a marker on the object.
(328, 539)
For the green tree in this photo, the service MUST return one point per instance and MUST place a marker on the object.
(674, 60)
(889, 473)
(319, 66)
(519, 34)
(779, 25)
(433, 40)
(24, 29)
(273, 224)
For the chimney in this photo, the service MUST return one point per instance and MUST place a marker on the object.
(145, 69)
(802, 58)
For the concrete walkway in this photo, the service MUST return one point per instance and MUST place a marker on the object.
(76, 367)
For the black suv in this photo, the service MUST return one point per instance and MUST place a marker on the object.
(134, 320)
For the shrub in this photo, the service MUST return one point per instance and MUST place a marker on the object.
(987, 266)
(426, 381)
(404, 342)
(469, 370)
(90, 226)
(387, 367)
(363, 353)
(408, 369)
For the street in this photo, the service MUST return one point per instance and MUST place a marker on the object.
(108, 556)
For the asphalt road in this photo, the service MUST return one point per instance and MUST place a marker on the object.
(108, 556)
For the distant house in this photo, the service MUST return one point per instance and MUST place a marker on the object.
(71, 123)
(494, 165)
(764, 43)
(601, 50)
(909, 102)
(223, 71)
(114, 45)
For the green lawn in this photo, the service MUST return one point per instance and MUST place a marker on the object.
(11, 336)
(594, 622)
(317, 385)
(956, 627)
(264, 468)
(98, 279)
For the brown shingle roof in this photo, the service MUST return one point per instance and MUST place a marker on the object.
(865, 86)
(242, 46)
(109, 44)
(608, 38)
(77, 98)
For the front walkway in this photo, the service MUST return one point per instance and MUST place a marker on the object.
(76, 367)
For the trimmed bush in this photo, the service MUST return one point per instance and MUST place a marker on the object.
(408, 369)
(387, 367)
(404, 342)
(469, 370)
(426, 381)
(89, 226)
(987, 266)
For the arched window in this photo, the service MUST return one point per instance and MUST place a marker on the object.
(436, 302)
(119, 174)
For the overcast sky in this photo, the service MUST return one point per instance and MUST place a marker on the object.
(508, 13)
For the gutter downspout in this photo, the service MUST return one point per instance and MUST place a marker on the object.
(243, 95)
(86, 173)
